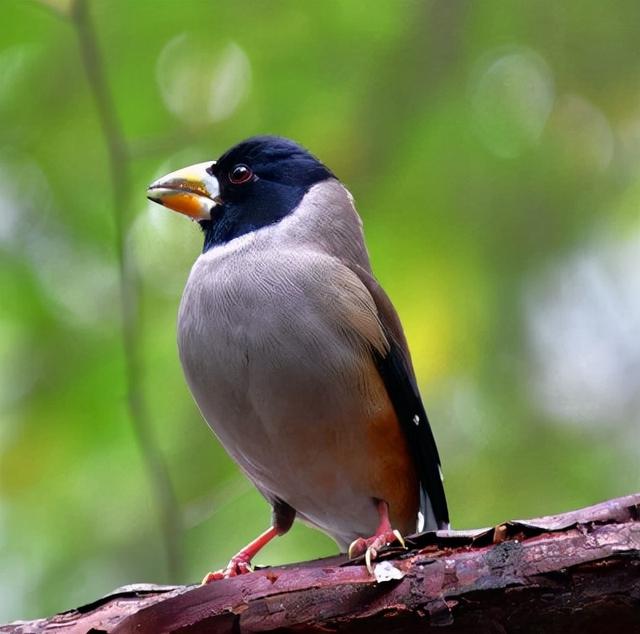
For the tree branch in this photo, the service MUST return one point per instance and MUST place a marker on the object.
(575, 572)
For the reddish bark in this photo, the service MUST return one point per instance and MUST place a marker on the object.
(574, 572)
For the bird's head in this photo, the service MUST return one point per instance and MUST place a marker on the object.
(254, 184)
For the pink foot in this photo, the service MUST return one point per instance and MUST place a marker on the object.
(384, 536)
(239, 565)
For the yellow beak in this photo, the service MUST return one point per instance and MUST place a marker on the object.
(192, 191)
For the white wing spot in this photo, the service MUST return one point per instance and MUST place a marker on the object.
(420, 521)
(416, 420)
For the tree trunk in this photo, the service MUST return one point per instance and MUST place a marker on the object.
(574, 572)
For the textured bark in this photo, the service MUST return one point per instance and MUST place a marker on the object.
(574, 572)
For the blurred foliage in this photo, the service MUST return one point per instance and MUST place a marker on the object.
(494, 151)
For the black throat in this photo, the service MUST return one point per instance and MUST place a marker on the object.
(269, 203)
(282, 174)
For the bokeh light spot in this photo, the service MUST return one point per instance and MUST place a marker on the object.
(15, 63)
(199, 84)
(583, 322)
(582, 133)
(165, 244)
(512, 95)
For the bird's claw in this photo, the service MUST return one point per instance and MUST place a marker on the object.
(371, 554)
(370, 547)
(357, 547)
(399, 538)
(237, 566)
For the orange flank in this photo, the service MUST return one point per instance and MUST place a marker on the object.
(393, 476)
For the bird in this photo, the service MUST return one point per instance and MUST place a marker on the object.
(296, 356)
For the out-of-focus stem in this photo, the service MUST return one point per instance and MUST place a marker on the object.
(120, 168)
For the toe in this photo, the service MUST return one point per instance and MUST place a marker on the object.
(234, 568)
(358, 547)
(399, 538)
(369, 557)
(370, 547)
(213, 576)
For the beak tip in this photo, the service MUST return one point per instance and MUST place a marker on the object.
(153, 196)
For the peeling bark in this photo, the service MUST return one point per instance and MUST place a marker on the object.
(574, 572)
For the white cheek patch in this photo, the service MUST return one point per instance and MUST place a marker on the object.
(210, 182)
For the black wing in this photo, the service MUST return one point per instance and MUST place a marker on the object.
(406, 401)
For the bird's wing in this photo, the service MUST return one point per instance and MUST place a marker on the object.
(396, 370)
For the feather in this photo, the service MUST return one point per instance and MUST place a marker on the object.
(397, 373)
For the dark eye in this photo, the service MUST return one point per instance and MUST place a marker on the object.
(240, 174)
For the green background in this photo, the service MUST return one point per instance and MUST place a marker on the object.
(493, 149)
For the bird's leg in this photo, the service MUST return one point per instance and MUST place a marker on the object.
(384, 536)
(240, 563)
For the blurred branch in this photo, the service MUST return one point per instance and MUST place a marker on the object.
(120, 168)
(575, 572)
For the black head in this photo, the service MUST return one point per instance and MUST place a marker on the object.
(260, 180)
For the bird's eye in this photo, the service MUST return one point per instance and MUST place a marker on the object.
(240, 174)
